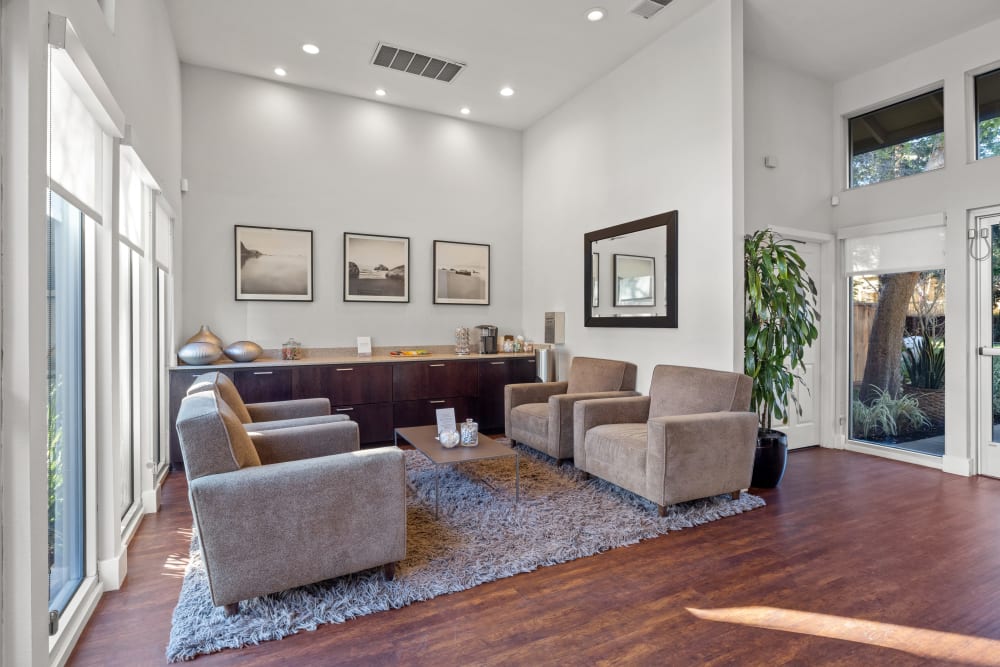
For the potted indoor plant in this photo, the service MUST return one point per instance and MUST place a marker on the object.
(780, 324)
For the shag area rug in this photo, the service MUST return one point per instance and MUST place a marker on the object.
(480, 535)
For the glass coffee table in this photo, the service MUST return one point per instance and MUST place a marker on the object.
(424, 440)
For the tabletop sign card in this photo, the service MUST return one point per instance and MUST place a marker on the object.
(446, 420)
(364, 346)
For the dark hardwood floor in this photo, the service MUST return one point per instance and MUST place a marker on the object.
(855, 561)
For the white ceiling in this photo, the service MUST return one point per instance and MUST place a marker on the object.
(545, 49)
(836, 39)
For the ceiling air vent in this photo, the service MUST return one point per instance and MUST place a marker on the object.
(647, 8)
(404, 60)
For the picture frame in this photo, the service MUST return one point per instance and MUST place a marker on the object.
(461, 273)
(376, 268)
(273, 263)
(635, 280)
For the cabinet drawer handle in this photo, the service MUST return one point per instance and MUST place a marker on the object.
(263, 372)
(497, 363)
(345, 409)
(341, 370)
(531, 361)
(436, 365)
(436, 402)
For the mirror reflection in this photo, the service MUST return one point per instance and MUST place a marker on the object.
(631, 275)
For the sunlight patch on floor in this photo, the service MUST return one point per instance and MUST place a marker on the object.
(925, 643)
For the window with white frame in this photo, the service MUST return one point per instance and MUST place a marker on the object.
(163, 224)
(897, 140)
(78, 152)
(987, 92)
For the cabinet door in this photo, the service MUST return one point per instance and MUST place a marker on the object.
(493, 375)
(434, 379)
(374, 421)
(264, 386)
(522, 370)
(354, 384)
(423, 412)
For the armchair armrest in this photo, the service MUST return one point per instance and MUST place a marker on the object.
(590, 413)
(528, 392)
(269, 528)
(304, 442)
(700, 455)
(561, 433)
(302, 407)
(298, 421)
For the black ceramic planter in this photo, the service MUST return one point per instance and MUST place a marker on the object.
(770, 460)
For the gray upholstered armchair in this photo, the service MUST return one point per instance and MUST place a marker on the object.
(692, 437)
(266, 416)
(287, 507)
(540, 414)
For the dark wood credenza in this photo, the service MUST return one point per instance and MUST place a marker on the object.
(379, 395)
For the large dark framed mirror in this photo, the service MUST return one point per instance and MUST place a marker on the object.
(630, 274)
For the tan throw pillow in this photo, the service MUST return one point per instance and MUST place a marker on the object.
(244, 453)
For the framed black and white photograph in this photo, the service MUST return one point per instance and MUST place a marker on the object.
(274, 264)
(376, 268)
(635, 277)
(461, 273)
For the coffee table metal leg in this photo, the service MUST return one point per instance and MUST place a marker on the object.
(517, 478)
(437, 474)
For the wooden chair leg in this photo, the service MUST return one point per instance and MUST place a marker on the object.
(231, 609)
(736, 494)
(389, 571)
(662, 510)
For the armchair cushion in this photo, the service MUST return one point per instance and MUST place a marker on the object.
(587, 374)
(227, 390)
(256, 427)
(588, 414)
(212, 439)
(295, 409)
(303, 442)
(532, 418)
(682, 390)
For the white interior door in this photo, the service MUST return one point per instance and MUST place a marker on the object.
(986, 250)
(803, 430)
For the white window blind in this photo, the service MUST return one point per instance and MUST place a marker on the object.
(130, 195)
(163, 224)
(896, 251)
(75, 142)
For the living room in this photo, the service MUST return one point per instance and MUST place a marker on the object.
(678, 113)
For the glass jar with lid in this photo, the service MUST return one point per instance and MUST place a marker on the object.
(470, 433)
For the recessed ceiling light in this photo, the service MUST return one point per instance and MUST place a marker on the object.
(465, 111)
(595, 14)
(506, 91)
(311, 49)
(280, 71)
(380, 92)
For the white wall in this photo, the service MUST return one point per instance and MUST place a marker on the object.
(655, 134)
(139, 64)
(262, 153)
(787, 116)
(963, 184)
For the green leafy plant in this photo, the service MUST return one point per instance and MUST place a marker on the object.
(885, 416)
(923, 364)
(781, 318)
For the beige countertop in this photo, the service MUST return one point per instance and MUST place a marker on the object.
(349, 355)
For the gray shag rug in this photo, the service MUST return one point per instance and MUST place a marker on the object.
(479, 536)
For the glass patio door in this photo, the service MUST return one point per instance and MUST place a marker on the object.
(986, 250)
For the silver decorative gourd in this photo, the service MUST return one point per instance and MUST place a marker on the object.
(199, 353)
(205, 335)
(243, 351)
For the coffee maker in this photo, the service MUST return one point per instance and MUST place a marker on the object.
(487, 339)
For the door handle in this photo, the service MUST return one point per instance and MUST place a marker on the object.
(436, 365)
(436, 402)
(263, 372)
(986, 351)
(345, 409)
(341, 370)
(497, 363)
